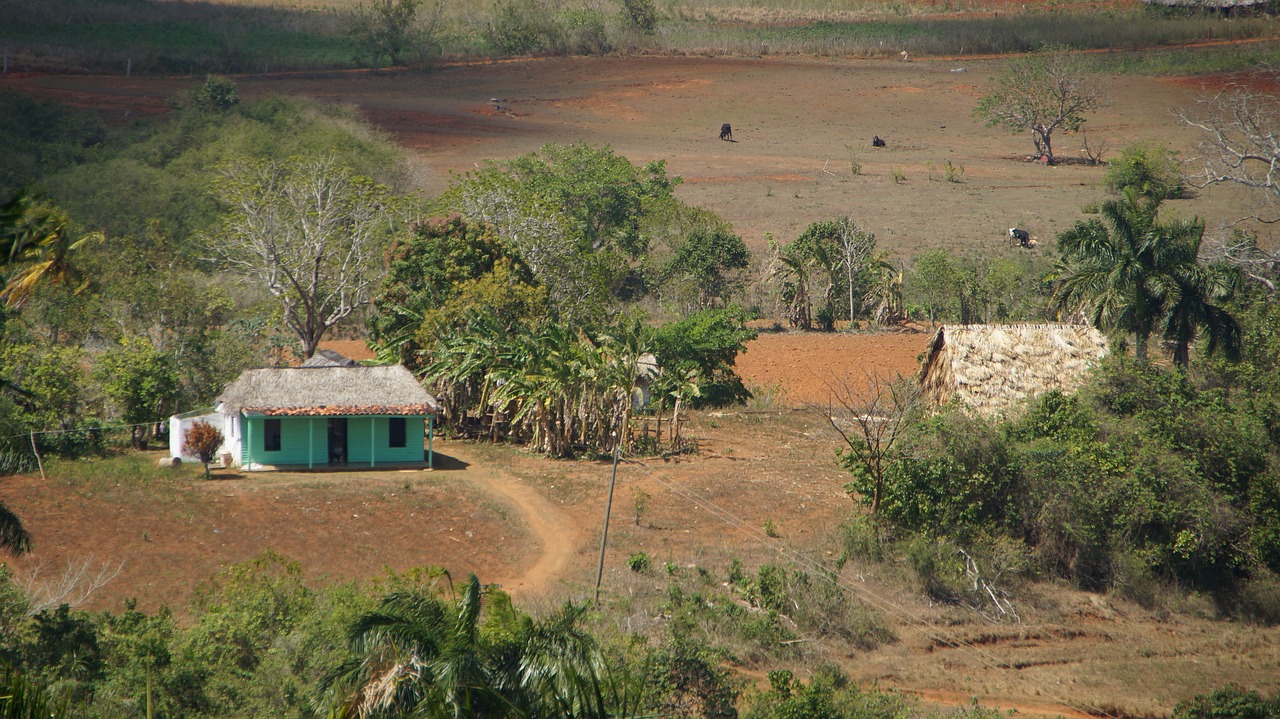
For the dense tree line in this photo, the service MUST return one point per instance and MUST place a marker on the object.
(127, 312)
(260, 641)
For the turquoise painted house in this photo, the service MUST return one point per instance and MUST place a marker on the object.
(327, 416)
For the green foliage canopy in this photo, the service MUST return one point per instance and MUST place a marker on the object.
(573, 214)
(707, 343)
(711, 261)
(1133, 272)
(440, 270)
(1141, 476)
(1150, 167)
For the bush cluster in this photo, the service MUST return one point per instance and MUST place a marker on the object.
(1142, 477)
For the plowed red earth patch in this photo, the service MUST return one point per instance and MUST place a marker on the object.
(800, 368)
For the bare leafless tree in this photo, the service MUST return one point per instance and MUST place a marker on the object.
(1241, 143)
(1093, 154)
(1241, 250)
(872, 417)
(73, 586)
(308, 230)
(857, 249)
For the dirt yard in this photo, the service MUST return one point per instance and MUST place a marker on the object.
(533, 525)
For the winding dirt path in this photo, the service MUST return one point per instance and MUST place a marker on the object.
(555, 532)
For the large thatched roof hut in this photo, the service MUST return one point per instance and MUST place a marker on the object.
(993, 368)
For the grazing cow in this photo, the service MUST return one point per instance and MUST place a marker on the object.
(876, 141)
(726, 132)
(1021, 237)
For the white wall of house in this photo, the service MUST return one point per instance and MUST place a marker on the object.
(231, 436)
(179, 423)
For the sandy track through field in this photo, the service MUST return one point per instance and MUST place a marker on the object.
(555, 531)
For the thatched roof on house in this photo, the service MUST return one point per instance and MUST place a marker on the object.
(329, 358)
(993, 368)
(328, 392)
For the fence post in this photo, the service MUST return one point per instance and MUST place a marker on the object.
(36, 450)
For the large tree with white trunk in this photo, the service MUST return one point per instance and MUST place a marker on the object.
(309, 231)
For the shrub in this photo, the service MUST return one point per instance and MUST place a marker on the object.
(819, 605)
(952, 172)
(859, 539)
(707, 342)
(769, 591)
(521, 27)
(1150, 167)
(826, 317)
(737, 576)
(1229, 703)
(217, 94)
(641, 14)
(639, 502)
(829, 695)
(1259, 598)
(82, 438)
(585, 32)
(936, 567)
(16, 462)
(202, 440)
(638, 562)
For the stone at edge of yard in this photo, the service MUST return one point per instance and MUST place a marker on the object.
(170, 462)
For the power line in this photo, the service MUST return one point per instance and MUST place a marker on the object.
(98, 428)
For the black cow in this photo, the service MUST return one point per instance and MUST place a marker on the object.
(726, 132)
(877, 142)
(1021, 237)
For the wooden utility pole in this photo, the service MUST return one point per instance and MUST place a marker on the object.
(608, 508)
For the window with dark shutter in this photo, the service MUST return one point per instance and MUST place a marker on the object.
(396, 432)
(271, 435)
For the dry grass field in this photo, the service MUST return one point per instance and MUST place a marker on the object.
(798, 126)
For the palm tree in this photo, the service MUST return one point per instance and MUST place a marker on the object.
(884, 296)
(36, 239)
(1189, 292)
(415, 655)
(1108, 266)
(21, 698)
(1141, 275)
(791, 272)
(421, 656)
(13, 536)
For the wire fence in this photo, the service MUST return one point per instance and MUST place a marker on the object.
(25, 452)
